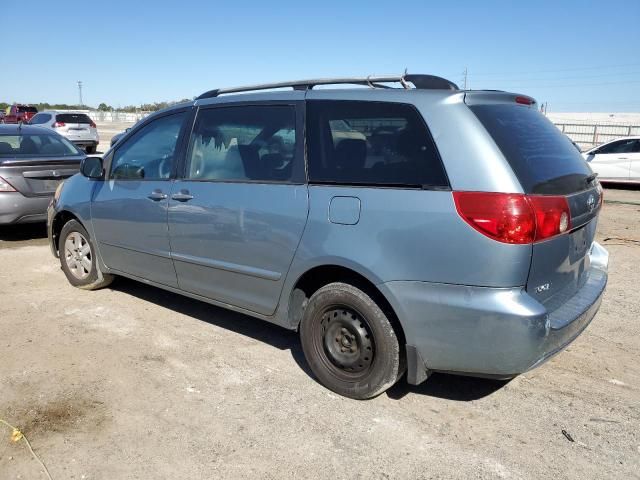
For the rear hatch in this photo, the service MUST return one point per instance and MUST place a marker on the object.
(546, 163)
(76, 126)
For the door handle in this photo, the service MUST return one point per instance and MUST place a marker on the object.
(183, 196)
(157, 195)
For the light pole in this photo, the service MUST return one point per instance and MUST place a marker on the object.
(80, 91)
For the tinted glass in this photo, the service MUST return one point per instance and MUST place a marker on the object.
(73, 118)
(253, 143)
(150, 153)
(36, 146)
(621, 146)
(540, 155)
(371, 143)
(636, 147)
(40, 118)
(27, 109)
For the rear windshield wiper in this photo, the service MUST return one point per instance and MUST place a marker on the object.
(591, 178)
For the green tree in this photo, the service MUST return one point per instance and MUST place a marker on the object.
(103, 107)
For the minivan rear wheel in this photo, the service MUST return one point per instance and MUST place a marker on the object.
(78, 259)
(349, 342)
(91, 149)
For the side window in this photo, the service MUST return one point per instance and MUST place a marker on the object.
(371, 143)
(250, 143)
(621, 146)
(636, 147)
(150, 153)
(40, 118)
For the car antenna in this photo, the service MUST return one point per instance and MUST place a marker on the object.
(20, 125)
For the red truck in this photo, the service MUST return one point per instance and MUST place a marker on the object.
(17, 113)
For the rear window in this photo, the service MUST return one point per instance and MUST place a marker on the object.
(40, 118)
(27, 109)
(36, 146)
(544, 160)
(371, 143)
(73, 118)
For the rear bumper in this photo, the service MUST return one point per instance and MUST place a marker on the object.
(16, 208)
(85, 143)
(495, 332)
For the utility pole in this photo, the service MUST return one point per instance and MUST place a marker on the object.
(465, 74)
(80, 91)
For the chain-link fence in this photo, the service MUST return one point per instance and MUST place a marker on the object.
(589, 135)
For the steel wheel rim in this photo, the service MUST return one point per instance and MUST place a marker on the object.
(344, 342)
(77, 255)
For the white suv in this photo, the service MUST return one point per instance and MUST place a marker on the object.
(76, 127)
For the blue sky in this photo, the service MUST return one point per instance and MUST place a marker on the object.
(575, 55)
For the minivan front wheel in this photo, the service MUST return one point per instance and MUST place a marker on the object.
(349, 342)
(78, 260)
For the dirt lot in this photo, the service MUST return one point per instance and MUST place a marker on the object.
(106, 130)
(133, 382)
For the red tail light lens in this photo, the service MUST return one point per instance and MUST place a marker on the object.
(92, 125)
(552, 215)
(514, 217)
(600, 195)
(525, 100)
(58, 124)
(504, 217)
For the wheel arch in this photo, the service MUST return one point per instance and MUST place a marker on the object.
(59, 221)
(318, 276)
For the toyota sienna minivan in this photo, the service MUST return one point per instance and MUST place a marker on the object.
(399, 224)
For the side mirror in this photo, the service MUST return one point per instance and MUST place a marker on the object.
(91, 167)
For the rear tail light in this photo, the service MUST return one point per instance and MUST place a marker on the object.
(600, 195)
(58, 124)
(514, 217)
(92, 125)
(6, 186)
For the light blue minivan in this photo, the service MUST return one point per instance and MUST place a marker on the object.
(412, 229)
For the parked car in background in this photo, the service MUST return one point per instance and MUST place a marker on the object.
(33, 162)
(616, 161)
(17, 113)
(76, 127)
(470, 251)
(118, 136)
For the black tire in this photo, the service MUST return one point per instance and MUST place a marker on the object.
(78, 259)
(349, 342)
(91, 148)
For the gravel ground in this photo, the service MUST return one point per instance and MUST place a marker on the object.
(134, 382)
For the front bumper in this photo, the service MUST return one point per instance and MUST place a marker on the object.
(16, 208)
(51, 213)
(495, 332)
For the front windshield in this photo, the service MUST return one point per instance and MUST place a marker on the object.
(36, 145)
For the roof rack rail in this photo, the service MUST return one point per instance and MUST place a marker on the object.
(419, 81)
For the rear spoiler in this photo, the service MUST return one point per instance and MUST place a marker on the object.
(480, 97)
